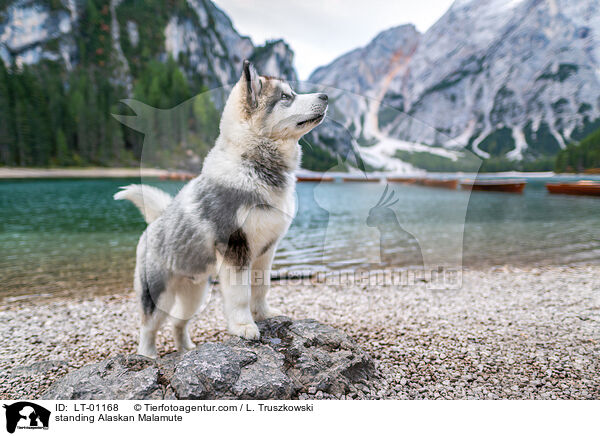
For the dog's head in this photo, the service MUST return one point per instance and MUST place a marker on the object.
(267, 107)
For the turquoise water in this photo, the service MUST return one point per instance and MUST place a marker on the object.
(65, 236)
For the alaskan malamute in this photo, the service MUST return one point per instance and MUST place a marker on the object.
(228, 220)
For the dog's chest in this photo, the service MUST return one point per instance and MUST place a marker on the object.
(263, 226)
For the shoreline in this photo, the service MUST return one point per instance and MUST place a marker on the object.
(74, 173)
(9, 173)
(507, 333)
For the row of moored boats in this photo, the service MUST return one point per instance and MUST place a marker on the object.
(582, 187)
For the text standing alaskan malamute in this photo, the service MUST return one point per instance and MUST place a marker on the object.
(227, 221)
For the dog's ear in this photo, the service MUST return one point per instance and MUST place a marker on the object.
(253, 84)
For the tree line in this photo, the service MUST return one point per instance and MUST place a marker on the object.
(580, 156)
(51, 116)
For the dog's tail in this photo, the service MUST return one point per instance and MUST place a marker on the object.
(151, 201)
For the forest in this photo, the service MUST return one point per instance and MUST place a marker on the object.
(52, 116)
(577, 157)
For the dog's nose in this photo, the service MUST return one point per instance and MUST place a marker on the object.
(323, 97)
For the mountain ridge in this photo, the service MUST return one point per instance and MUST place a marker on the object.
(33, 30)
(503, 81)
(66, 64)
(513, 80)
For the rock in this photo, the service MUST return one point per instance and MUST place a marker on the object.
(40, 367)
(291, 359)
(120, 377)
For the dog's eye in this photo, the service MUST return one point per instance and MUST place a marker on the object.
(285, 96)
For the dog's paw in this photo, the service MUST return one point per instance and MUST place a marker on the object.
(147, 352)
(265, 313)
(186, 346)
(246, 331)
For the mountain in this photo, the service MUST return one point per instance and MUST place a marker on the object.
(356, 83)
(197, 34)
(511, 80)
(67, 63)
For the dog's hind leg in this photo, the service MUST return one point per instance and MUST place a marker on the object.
(190, 295)
(155, 306)
(261, 281)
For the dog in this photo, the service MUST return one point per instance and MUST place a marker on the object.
(228, 220)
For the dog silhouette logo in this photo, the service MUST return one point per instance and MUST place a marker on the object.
(26, 415)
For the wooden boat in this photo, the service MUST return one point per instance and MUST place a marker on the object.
(592, 171)
(314, 179)
(507, 185)
(361, 179)
(441, 183)
(582, 187)
(177, 176)
(406, 180)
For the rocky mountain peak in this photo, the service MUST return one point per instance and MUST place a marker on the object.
(363, 68)
(196, 33)
(275, 58)
(511, 79)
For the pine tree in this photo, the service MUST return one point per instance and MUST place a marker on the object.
(62, 149)
(6, 118)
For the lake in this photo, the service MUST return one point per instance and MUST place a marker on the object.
(69, 236)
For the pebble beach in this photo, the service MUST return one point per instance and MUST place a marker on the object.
(507, 333)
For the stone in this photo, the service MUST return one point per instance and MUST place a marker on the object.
(40, 367)
(120, 377)
(291, 359)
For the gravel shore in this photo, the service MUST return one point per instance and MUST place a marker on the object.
(508, 333)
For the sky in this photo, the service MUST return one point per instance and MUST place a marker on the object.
(320, 30)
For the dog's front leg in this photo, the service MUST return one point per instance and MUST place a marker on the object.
(261, 282)
(235, 287)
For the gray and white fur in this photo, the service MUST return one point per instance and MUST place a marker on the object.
(228, 220)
